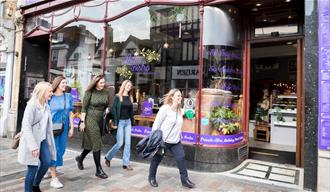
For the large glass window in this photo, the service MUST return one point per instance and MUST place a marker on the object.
(76, 53)
(221, 109)
(159, 46)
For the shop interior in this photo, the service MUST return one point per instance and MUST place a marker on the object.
(273, 100)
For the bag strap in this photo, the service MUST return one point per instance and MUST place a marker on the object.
(176, 117)
(63, 117)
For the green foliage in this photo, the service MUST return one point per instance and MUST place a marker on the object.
(150, 56)
(224, 119)
(279, 114)
(124, 72)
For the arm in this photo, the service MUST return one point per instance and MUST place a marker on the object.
(27, 123)
(85, 106)
(160, 117)
(114, 109)
(71, 107)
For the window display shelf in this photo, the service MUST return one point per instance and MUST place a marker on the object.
(286, 124)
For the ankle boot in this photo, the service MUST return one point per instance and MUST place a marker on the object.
(36, 189)
(99, 171)
(188, 183)
(81, 158)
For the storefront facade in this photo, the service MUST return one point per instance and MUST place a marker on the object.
(202, 48)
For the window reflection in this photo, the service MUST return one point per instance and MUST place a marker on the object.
(76, 54)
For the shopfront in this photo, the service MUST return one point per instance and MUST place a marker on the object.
(202, 48)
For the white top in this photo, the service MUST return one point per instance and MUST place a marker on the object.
(167, 118)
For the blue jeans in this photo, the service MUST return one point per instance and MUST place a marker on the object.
(179, 156)
(34, 174)
(123, 135)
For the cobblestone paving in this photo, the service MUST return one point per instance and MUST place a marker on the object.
(12, 177)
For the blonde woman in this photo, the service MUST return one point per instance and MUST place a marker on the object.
(37, 146)
(61, 106)
(169, 119)
(122, 110)
(95, 101)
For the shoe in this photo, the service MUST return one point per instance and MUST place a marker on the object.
(36, 189)
(55, 183)
(100, 173)
(188, 183)
(107, 162)
(127, 167)
(79, 163)
(153, 182)
(48, 175)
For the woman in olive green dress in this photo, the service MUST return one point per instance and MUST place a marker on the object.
(94, 103)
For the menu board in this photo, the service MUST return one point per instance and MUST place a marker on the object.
(324, 75)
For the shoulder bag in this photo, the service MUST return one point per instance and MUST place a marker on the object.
(59, 127)
(17, 137)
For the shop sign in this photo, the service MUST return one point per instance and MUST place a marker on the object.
(324, 75)
(144, 130)
(221, 139)
(185, 72)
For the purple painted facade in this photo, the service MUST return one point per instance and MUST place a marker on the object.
(324, 75)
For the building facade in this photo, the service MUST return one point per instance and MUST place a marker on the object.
(241, 67)
(7, 42)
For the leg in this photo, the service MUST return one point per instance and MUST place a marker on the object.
(29, 177)
(155, 161)
(45, 162)
(81, 158)
(99, 171)
(127, 147)
(179, 155)
(120, 139)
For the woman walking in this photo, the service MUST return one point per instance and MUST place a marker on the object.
(122, 111)
(61, 106)
(37, 146)
(169, 119)
(94, 103)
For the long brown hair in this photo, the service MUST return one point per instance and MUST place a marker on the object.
(57, 82)
(122, 88)
(94, 82)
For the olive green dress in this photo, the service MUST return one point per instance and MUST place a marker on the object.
(94, 103)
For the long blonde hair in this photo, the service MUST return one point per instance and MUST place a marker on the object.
(167, 98)
(94, 82)
(39, 91)
(122, 88)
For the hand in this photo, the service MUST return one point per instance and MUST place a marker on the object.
(35, 153)
(70, 133)
(82, 127)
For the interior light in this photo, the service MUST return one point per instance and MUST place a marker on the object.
(290, 17)
(258, 4)
(265, 20)
(287, 1)
(165, 45)
(110, 50)
(254, 9)
(289, 43)
(136, 54)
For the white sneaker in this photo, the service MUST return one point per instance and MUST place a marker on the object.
(55, 183)
(47, 175)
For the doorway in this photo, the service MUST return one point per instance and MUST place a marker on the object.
(33, 70)
(274, 107)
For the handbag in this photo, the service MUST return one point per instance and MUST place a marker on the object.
(107, 124)
(59, 127)
(17, 137)
(153, 143)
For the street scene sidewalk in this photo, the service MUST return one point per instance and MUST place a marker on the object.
(12, 176)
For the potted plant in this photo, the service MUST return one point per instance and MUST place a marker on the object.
(224, 120)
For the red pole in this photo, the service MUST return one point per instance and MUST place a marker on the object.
(104, 53)
(200, 80)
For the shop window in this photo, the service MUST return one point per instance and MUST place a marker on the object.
(76, 56)
(275, 31)
(221, 109)
(117, 7)
(156, 32)
(88, 9)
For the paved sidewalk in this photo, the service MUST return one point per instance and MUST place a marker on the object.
(12, 177)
